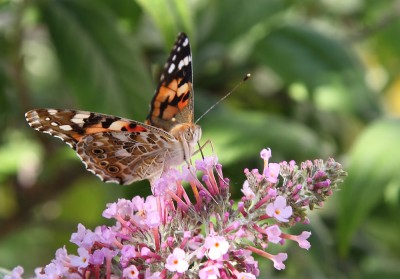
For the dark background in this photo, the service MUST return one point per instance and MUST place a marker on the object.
(325, 83)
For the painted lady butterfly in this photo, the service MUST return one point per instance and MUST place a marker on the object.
(123, 151)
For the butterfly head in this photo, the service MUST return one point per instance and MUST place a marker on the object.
(187, 132)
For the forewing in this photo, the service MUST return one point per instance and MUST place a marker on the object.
(172, 103)
(72, 125)
(124, 157)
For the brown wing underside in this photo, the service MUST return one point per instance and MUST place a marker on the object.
(124, 157)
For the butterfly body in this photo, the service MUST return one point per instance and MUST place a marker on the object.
(121, 150)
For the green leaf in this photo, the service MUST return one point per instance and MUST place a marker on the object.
(127, 10)
(239, 135)
(102, 66)
(230, 19)
(170, 17)
(4, 101)
(301, 54)
(186, 15)
(326, 67)
(373, 165)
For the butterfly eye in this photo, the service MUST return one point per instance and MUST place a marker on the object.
(188, 135)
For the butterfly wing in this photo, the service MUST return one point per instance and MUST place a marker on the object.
(72, 125)
(172, 103)
(124, 157)
(122, 150)
(115, 149)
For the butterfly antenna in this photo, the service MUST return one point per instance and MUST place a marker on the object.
(224, 97)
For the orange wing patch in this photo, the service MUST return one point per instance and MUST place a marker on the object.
(71, 125)
(115, 126)
(171, 99)
(173, 102)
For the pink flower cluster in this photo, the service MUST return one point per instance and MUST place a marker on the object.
(169, 235)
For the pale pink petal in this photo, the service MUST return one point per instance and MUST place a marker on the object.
(286, 212)
(273, 233)
(280, 202)
(278, 261)
(302, 240)
(265, 154)
(270, 210)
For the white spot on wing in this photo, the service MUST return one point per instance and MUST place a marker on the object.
(36, 122)
(81, 115)
(52, 111)
(186, 60)
(171, 68)
(174, 57)
(116, 125)
(181, 64)
(185, 42)
(66, 127)
(54, 124)
(77, 120)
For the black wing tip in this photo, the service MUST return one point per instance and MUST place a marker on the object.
(182, 34)
(182, 37)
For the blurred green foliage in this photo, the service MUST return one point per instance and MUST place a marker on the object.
(325, 83)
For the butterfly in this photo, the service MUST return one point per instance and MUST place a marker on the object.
(123, 151)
